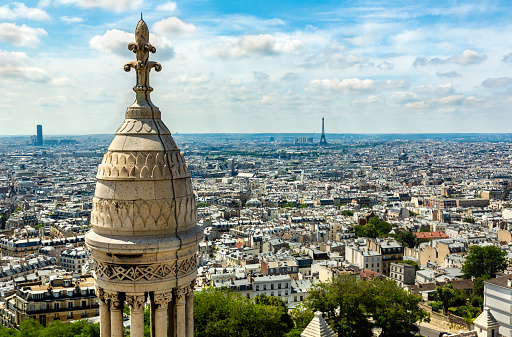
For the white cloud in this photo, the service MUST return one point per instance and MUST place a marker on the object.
(116, 41)
(333, 56)
(435, 89)
(13, 58)
(467, 57)
(254, 45)
(347, 84)
(17, 10)
(441, 103)
(173, 26)
(113, 5)
(403, 97)
(290, 77)
(61, 81)
(450, 74)
(184, 78)
(260, 76)
(71, 19)
(51, 101)
(20, 35)
(507, 58)
(29, 73)
(168, 7)
(451, 100)
(497, 82)
(399, 83)
(370, 100)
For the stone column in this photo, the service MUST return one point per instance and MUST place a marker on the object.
(104, 312)
(171, 318)
(180, 294)
(160, 301)
(136, 304)
(189, 310)
(116, 314)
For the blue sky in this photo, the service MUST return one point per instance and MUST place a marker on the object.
(260, 66)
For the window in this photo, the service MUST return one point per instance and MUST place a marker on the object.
(70, 315)
(272, 287)
(56, 306)
(84, 303)
(257, 288)
(279, 286)
(70, 305)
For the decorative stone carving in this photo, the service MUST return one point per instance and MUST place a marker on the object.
(144, 272)
(115, 299)
(161, 299)
(102, 296)
(188, 264)
(144, 166)
(148, 214)
(136, 302)
(180, 293)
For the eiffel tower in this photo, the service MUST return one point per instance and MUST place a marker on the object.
(322, 138)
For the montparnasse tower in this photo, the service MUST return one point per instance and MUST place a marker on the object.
(144, 236)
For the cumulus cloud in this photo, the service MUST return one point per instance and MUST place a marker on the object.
(403, 97)
(370, 100)
(254, 45)
(399, 83)
(168, 7)
(116, 41)
(507, 58)
(61, 81)
(420, 62)
(290, 77)
(113, 5)
(173, 26)
(497, 82)
(334, 56)
(467, 57)
(345, 85)
(28, 73)
(184, 78)
(17, 10)
(51, 101)
(13, 58)
(435, 89)
(22, 36)
(450, 74)
(71, 19)
(260, 76)
(451, 100)
(385, 66)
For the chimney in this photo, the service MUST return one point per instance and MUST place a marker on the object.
(509, 283)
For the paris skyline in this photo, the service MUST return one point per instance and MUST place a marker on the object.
(370, 67)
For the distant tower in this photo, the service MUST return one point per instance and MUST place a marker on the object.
(144, 235)
(322, 138)
(39, 138)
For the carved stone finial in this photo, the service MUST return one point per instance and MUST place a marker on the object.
(141, 47)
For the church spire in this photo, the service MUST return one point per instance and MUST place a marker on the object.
(141, 47)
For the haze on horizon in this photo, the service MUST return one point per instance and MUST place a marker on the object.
(260, 67)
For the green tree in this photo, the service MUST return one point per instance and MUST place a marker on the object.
(394, 309)
(353, 307)
(484, 260)
(373, 229)
(469, 220)
(412, 263)
(407, 239)
(219, 313)
(348, 212)
(450, 297)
